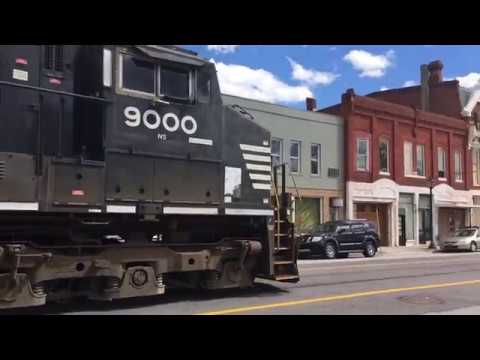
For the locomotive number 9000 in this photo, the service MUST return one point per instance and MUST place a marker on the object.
(152, 120)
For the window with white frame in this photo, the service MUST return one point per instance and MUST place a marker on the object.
(442, 163)
(362, 154)
(315, 159)
(408, 157)
(295, 157)
(384, 156)
(458, 166)
(420, 160)
(277, 151)
(141, 77)
(476, 167)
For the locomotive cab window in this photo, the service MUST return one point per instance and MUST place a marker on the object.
(174, 83)
(143, 78)
(203, 86)
(137, 75)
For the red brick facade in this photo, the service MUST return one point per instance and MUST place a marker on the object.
(373, 119)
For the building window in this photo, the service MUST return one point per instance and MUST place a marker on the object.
(315, 159)
(362, 154)
(476, 167)
(408, 157)
(421, 160)
(277, 151)
(458, 166)
(384, 156)
(295, 157)
(442, 163)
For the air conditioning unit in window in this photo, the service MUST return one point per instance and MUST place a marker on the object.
(333, 173)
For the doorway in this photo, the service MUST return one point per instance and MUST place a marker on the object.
(378, 214)
(402, 231)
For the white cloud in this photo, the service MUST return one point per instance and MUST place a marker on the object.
(370, 65)
(409, 83)
(470, 80)
(309, 76)
(383, 88)
(223, 49)
(258, 84)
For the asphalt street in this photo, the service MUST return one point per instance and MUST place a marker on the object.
(430, 284)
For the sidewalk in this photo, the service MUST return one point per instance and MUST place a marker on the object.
(410, 251)
(392, 253)
(473, 310)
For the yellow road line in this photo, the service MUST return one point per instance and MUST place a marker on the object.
(338, 297)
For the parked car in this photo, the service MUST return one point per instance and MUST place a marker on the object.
(463, 239)
(338, 239)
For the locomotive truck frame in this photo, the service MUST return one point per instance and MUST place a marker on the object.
(122, 174)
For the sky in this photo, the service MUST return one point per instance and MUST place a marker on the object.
(287, 74)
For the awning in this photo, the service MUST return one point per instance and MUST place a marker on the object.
(162, 53)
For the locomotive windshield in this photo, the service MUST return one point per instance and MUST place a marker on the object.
(174, 83)
(138, 76)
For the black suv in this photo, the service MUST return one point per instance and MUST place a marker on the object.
(339, 238)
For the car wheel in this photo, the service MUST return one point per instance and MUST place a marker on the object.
(473, 246)
(370, 249)
(330, 251)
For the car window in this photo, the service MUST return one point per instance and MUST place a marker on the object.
(465, 232)
(346, 228)
(358, 228)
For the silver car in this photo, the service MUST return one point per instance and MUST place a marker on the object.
(463, 239)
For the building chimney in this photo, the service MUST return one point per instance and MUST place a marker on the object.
(436, 75)
(424, 88)
(311, 104)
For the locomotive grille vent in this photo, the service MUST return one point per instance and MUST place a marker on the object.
(3, 169)
(53, 57)
(59, 58)
(48, 60)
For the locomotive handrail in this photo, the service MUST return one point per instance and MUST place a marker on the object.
(66, 93)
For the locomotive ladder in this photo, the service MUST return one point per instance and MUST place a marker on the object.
(285, 248)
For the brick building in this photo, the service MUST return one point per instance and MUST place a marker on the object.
(405, 144)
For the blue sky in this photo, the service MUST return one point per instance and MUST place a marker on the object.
(287, 74)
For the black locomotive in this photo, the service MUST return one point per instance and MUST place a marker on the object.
(121, 173)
